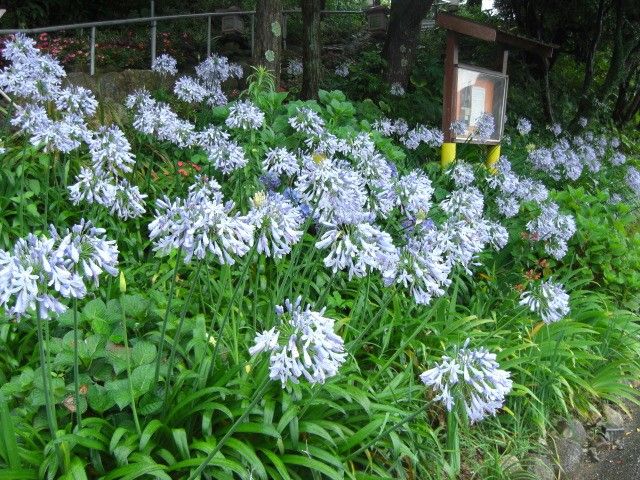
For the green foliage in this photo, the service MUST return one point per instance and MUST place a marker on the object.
(373, 421)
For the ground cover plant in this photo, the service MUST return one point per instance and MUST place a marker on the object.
(276, 288)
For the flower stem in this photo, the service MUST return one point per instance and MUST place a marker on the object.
(128, 354)
(176, 337)
(256, 398)
(166, 316)
(76, 368)
(453, 443)
(51, 414)
(227, 313)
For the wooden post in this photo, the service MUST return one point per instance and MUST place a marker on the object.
(449, 98)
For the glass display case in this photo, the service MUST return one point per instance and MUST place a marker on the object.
(479, 93)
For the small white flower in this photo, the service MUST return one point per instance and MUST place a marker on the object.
(547, 299)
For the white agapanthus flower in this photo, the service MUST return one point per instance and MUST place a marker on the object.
(553, 228)
(302, 345)
(547, 299)
(414, 192)
(632, 179)
(485, 126)
(342, 70)
(277, 223)
(466, 203)
(110, 151)
(77, 101)
(157, 119)
(524, 126)
(618, 158)
(307, 121)
(582, 121)
(294, 67)
(245, 115)
(389, 127)
(165, 64)
(333, 189)
(225, 154)
(472, 377)
(87, 251)
(397, 90)
(420, 134)
(190, 90)
(462, 174)
(421, 268)
(201, 223)
(41, 270)
(281, 162)
(359, 249)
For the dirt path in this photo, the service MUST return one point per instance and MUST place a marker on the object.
(617, 463)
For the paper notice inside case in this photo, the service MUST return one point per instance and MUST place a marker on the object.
(477, 104)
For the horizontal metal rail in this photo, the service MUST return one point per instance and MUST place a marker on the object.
(153, 20)
(130, 21)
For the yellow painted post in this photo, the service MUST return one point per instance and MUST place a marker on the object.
(448, 154)
(493, 157)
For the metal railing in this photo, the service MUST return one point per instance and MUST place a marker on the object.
(153, 21)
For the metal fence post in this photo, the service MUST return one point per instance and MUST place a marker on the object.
(154, 25)
(208, 35)
(253, 41)
(92, 55)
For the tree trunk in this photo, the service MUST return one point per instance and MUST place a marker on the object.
(268, 36)
(545, 90)
(584, 103)
(401, 42)
(311, 47)
(616, 63)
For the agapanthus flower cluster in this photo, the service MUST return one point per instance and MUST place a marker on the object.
(245, 115)
(294, 67)
(201, 223)
(104, 182)
(30, 75)
(207, 85)
(277, 223)
(459, 128)
(165, 64)
(342, 70)
(617, 159)
(472, 377)
(513, 189)
(414, 192)
(524, 126)
(462, 174)
(582, 121)
(302, 345)
(553, 228)
(357, 248)
(485, 126)
(157, 119)
(307, 121)
(225, 154)
(389, 127)
(556, 129)
(280, 161)
(547, 299)
(333, 188)
(431, 137)
(632, 179)
(36, 79)
(421, 267)
(41, 270)
(397, 90)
